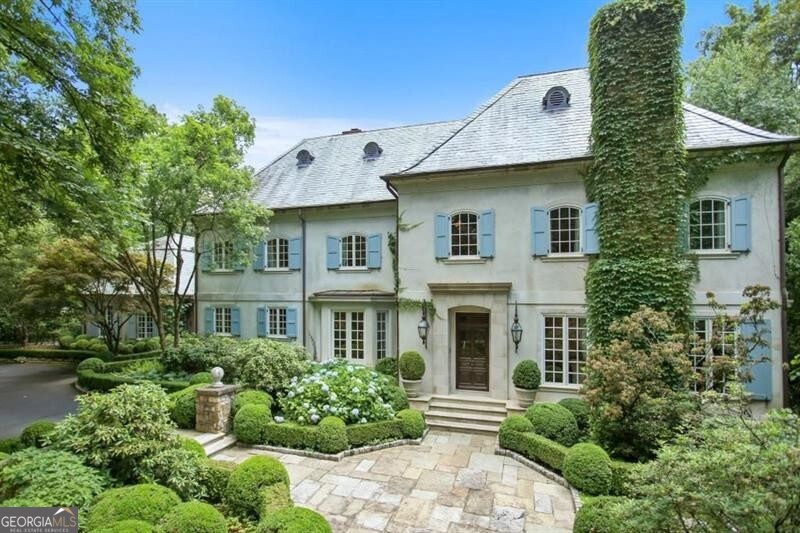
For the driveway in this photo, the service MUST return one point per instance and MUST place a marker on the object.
(31, 391)
(453, 483)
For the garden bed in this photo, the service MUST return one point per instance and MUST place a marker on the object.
(104, 376)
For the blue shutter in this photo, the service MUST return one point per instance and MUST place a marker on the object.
(209, 320)
(205, 257)
(591, 244)
(740, 224)
(374, 251)
(441, 236)
(540, 231)
(236, 322)
(132, 327)
(291, 322)
(486, 227)
(295, 253)
(259, 250)
(261, 322)
(761, 385)
(333, 246)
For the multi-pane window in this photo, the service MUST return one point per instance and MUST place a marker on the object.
(278, 253)
(463, 235)
(708, 227)
(712, 338)
(380, 334)
(564, 349)
(223, 255)
(277, 321)
(348, 334)
(565, 230)
(144, 326)
(354, 251)
(222, 320)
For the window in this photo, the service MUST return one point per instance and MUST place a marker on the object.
(708, 226)
(354, 251)
(712, 338)
(222, 320)
(144, 326)
(380, 334)
(223, 255)
(277, 322)
(565, 230)
(464, 235)
(564, 349)
(348, 334)
(277, 253)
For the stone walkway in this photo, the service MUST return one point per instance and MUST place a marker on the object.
(453, 482)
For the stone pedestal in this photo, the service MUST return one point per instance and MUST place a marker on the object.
(214, 408)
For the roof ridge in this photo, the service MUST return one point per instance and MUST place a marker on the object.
(536, 74)
(731, 122)
(352, 134)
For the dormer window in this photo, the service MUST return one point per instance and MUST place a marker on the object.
(372, 151)
(555, 98)
(304, 158)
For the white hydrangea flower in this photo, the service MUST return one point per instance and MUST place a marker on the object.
(355, 411)
(291, 394)
(362, 421)
(279, 419)
(315, 418)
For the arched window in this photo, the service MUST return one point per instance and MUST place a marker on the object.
(565, 230)
(708, 224)
(354, 251)
(278, 253)
(463, 234)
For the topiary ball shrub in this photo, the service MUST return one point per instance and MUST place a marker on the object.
(331, 435)
(250, 396)
(184, 407)
(194, 517)
(294, 520)
(603, 514)
(147, 502)
(516, 423)
(141, 347)
(250, 423)
(274, 498)
(554, 422)
(82, 344)
(580, 410)
(200, 378)
(193, 446)
(413, 423)
(243, 494)
(11, 445)
(527, 375)
(125, 349)
(588, 468)
(34, 433)
(65, 341)
(99, 347)
(214, 478)
(127, 526)
(92, 363)
(387, 366)
(412, 365)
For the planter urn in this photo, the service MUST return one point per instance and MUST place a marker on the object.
(525, 397)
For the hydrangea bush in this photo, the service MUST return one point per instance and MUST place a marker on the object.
(354, 393)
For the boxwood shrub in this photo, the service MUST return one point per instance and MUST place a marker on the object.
(11, 445)
(580, 410)
(331, 435)
(412, 365)
(249, 396)
(588, 468)
(201, 377)
(214, 478)
(274, 498)
(387, 366)
(243, 493)
(127, 526)
(250, 423)
(290, 435)
(294, 520)
(147, 502)
(373, 432)
(91, 380)
(622, 474)
(184, 407)
(602, 514)
(93, 363)
(531, 445)
(193, 446)
(194, 517)
(412, 423)
(43, 353)
(34, 433)
(554, 422)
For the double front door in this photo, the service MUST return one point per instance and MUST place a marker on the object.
(472, 351)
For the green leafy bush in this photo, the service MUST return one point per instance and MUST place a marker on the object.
(331, 435)
(92, 363)
(250, 423)
(214, 478)
(56, 354)
(274, 498)
(82, 344)
(125, 349)
(554, 422)
(412, 423)
(249, 396)
(127, 526)
(603, 514)
(194, 517)
(270, 365)
(4, 456)
(201, 378)
(588, 468)
(412, 365)
(51, 477)
(580, 410)
(623, 476)
(396, 396)
(294, 520)
(527, 375)
(387, 366)
(146, 502)
(141, 347)
(291, 435)
(243, 494)
(11, 445)
(34, 434)
(193, 446)
(201, 353)
(95, 381)
(516, 423)
(374, 432)
(534, 447)
(183, 409)
(65, 341)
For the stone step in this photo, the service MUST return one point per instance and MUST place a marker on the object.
(465, 427)
(441, 405)
(223, 443)
(207, 438)
(468, 401)
(484, 419)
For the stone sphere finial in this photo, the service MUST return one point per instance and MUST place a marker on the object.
(216, 376)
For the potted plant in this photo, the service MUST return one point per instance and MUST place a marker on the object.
(526, 379)
(412, 368)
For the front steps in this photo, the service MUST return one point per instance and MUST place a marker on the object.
(213, 443)
(462, 413)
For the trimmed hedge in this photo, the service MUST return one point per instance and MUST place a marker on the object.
(184, 407)
(55, 354)
(412, 423)
(214, 476)
(588, 468)
(373, 432)
(580, 410)
(535, 447)
(516, 423)
(294, 520)
(127, 526)
(243, 494)
(34, 433)
(201, 378)
(11, 445)
(251, 422)
(274, 498)
(91, 380)
(249, 396)
(554, 422)
(147, 502)
(194, 517)
(193, 446)
(332, 437)
(93, 363)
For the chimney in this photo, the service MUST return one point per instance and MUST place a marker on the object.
(351, 130)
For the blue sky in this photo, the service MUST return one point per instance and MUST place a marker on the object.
(307, 68)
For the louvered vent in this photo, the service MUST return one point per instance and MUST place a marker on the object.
(556, 98)
(372, 151)
(304, 158)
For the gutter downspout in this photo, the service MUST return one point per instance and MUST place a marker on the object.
(303, 267)
(394, 193)
(784, 292)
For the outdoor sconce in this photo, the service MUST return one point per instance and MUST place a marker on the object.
(423, 325)
(516, 330)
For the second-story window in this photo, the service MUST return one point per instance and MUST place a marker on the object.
(565, 230)
(708, 225)
(278, 253)
(354, 251)
(223, 255)
(464, 235)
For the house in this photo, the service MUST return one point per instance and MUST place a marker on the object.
(486, 219)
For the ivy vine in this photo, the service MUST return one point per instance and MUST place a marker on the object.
(406, 304)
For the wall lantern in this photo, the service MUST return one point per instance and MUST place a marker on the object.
(516, 330)
(423, 325)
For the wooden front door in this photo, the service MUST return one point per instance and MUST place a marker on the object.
(472, 351)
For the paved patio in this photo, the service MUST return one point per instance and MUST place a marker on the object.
(453, 482)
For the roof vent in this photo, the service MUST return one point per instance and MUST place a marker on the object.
(556, 98)
(351, 130)
(372, 151)
(304, 158)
